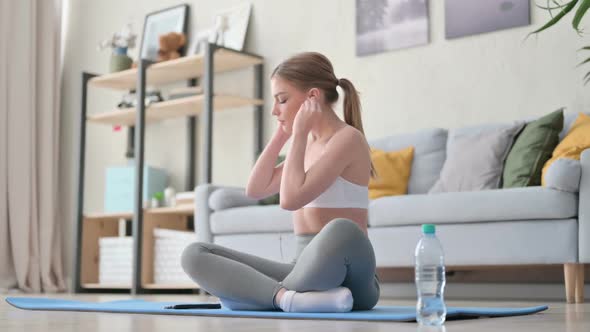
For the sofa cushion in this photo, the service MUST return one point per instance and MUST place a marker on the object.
(475, 157)
(474, 206)
(568, 121)
(393, 172)
(487, 243)
(429, 155)
(572, 145)
(251, 219)
(532, 148)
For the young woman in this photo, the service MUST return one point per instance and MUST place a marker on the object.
(324, 180)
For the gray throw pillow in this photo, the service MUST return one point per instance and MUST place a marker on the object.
(429, 155)
(475, 157)
(564, 174)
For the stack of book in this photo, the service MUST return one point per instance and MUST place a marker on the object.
(185, 198)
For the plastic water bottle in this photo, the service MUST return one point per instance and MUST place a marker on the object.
(430, 278)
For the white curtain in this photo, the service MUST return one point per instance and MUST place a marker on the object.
(30, 80)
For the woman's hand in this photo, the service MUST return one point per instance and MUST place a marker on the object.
(308, 113)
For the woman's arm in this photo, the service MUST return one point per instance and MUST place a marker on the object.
(299, 187)
(265, 178)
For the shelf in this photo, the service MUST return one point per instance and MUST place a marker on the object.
(179, 210)
(183, 68)
(171, 109)
(105, 286)
(114, 216)
(183, 210)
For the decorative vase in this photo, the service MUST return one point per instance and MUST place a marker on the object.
(120, 60)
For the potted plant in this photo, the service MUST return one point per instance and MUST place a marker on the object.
(562, 10)
(120, 43)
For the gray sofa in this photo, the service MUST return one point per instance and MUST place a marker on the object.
(520, 226)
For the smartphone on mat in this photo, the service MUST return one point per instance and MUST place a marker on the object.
(194, 306)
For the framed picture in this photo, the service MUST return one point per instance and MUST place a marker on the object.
(232, 25)
(229, 30)
(468, 17)
(173, 19)
(200, 36)
(385, 25)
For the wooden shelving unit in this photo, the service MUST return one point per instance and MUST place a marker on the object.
(179, 69)
(175, 108)
(92, 226)
(101, 225)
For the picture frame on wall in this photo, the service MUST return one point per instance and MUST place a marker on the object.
(387, 25)
(172, 19)
(467, 17)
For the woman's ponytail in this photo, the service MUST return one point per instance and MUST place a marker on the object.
(352, 109)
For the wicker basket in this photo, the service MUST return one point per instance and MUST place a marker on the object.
(168, 247)
(115, 260)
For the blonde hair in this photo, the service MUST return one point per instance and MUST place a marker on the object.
(314, 70)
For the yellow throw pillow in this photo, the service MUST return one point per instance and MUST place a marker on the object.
(572, 145)
(393, 172)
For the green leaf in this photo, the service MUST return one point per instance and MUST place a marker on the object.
(582, 9)
(583, 62)
(587, 80)
(586, 76)
(568, 7)
(558, 5)
(551, 9)
(584, 48)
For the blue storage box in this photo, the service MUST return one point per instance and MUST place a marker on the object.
(119, 194)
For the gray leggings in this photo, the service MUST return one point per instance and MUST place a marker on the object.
(339, 255)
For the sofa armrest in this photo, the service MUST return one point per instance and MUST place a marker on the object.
(210, 198)
(564, 175)
(203, 211)
(230, 197)
(584, 210)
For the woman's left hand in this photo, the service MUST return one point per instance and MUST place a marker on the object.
(308, 113)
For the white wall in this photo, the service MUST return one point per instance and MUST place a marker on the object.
(448, 83)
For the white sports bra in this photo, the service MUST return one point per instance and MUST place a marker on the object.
(342, 194)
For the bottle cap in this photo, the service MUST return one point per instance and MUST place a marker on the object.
(428, 229)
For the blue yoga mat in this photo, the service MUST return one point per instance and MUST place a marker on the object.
(379, 313)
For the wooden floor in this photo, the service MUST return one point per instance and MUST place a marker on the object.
(559, 317)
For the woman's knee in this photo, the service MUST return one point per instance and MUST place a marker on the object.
(339, 234)
(191, 256)
(367, 304)
(344, 228)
